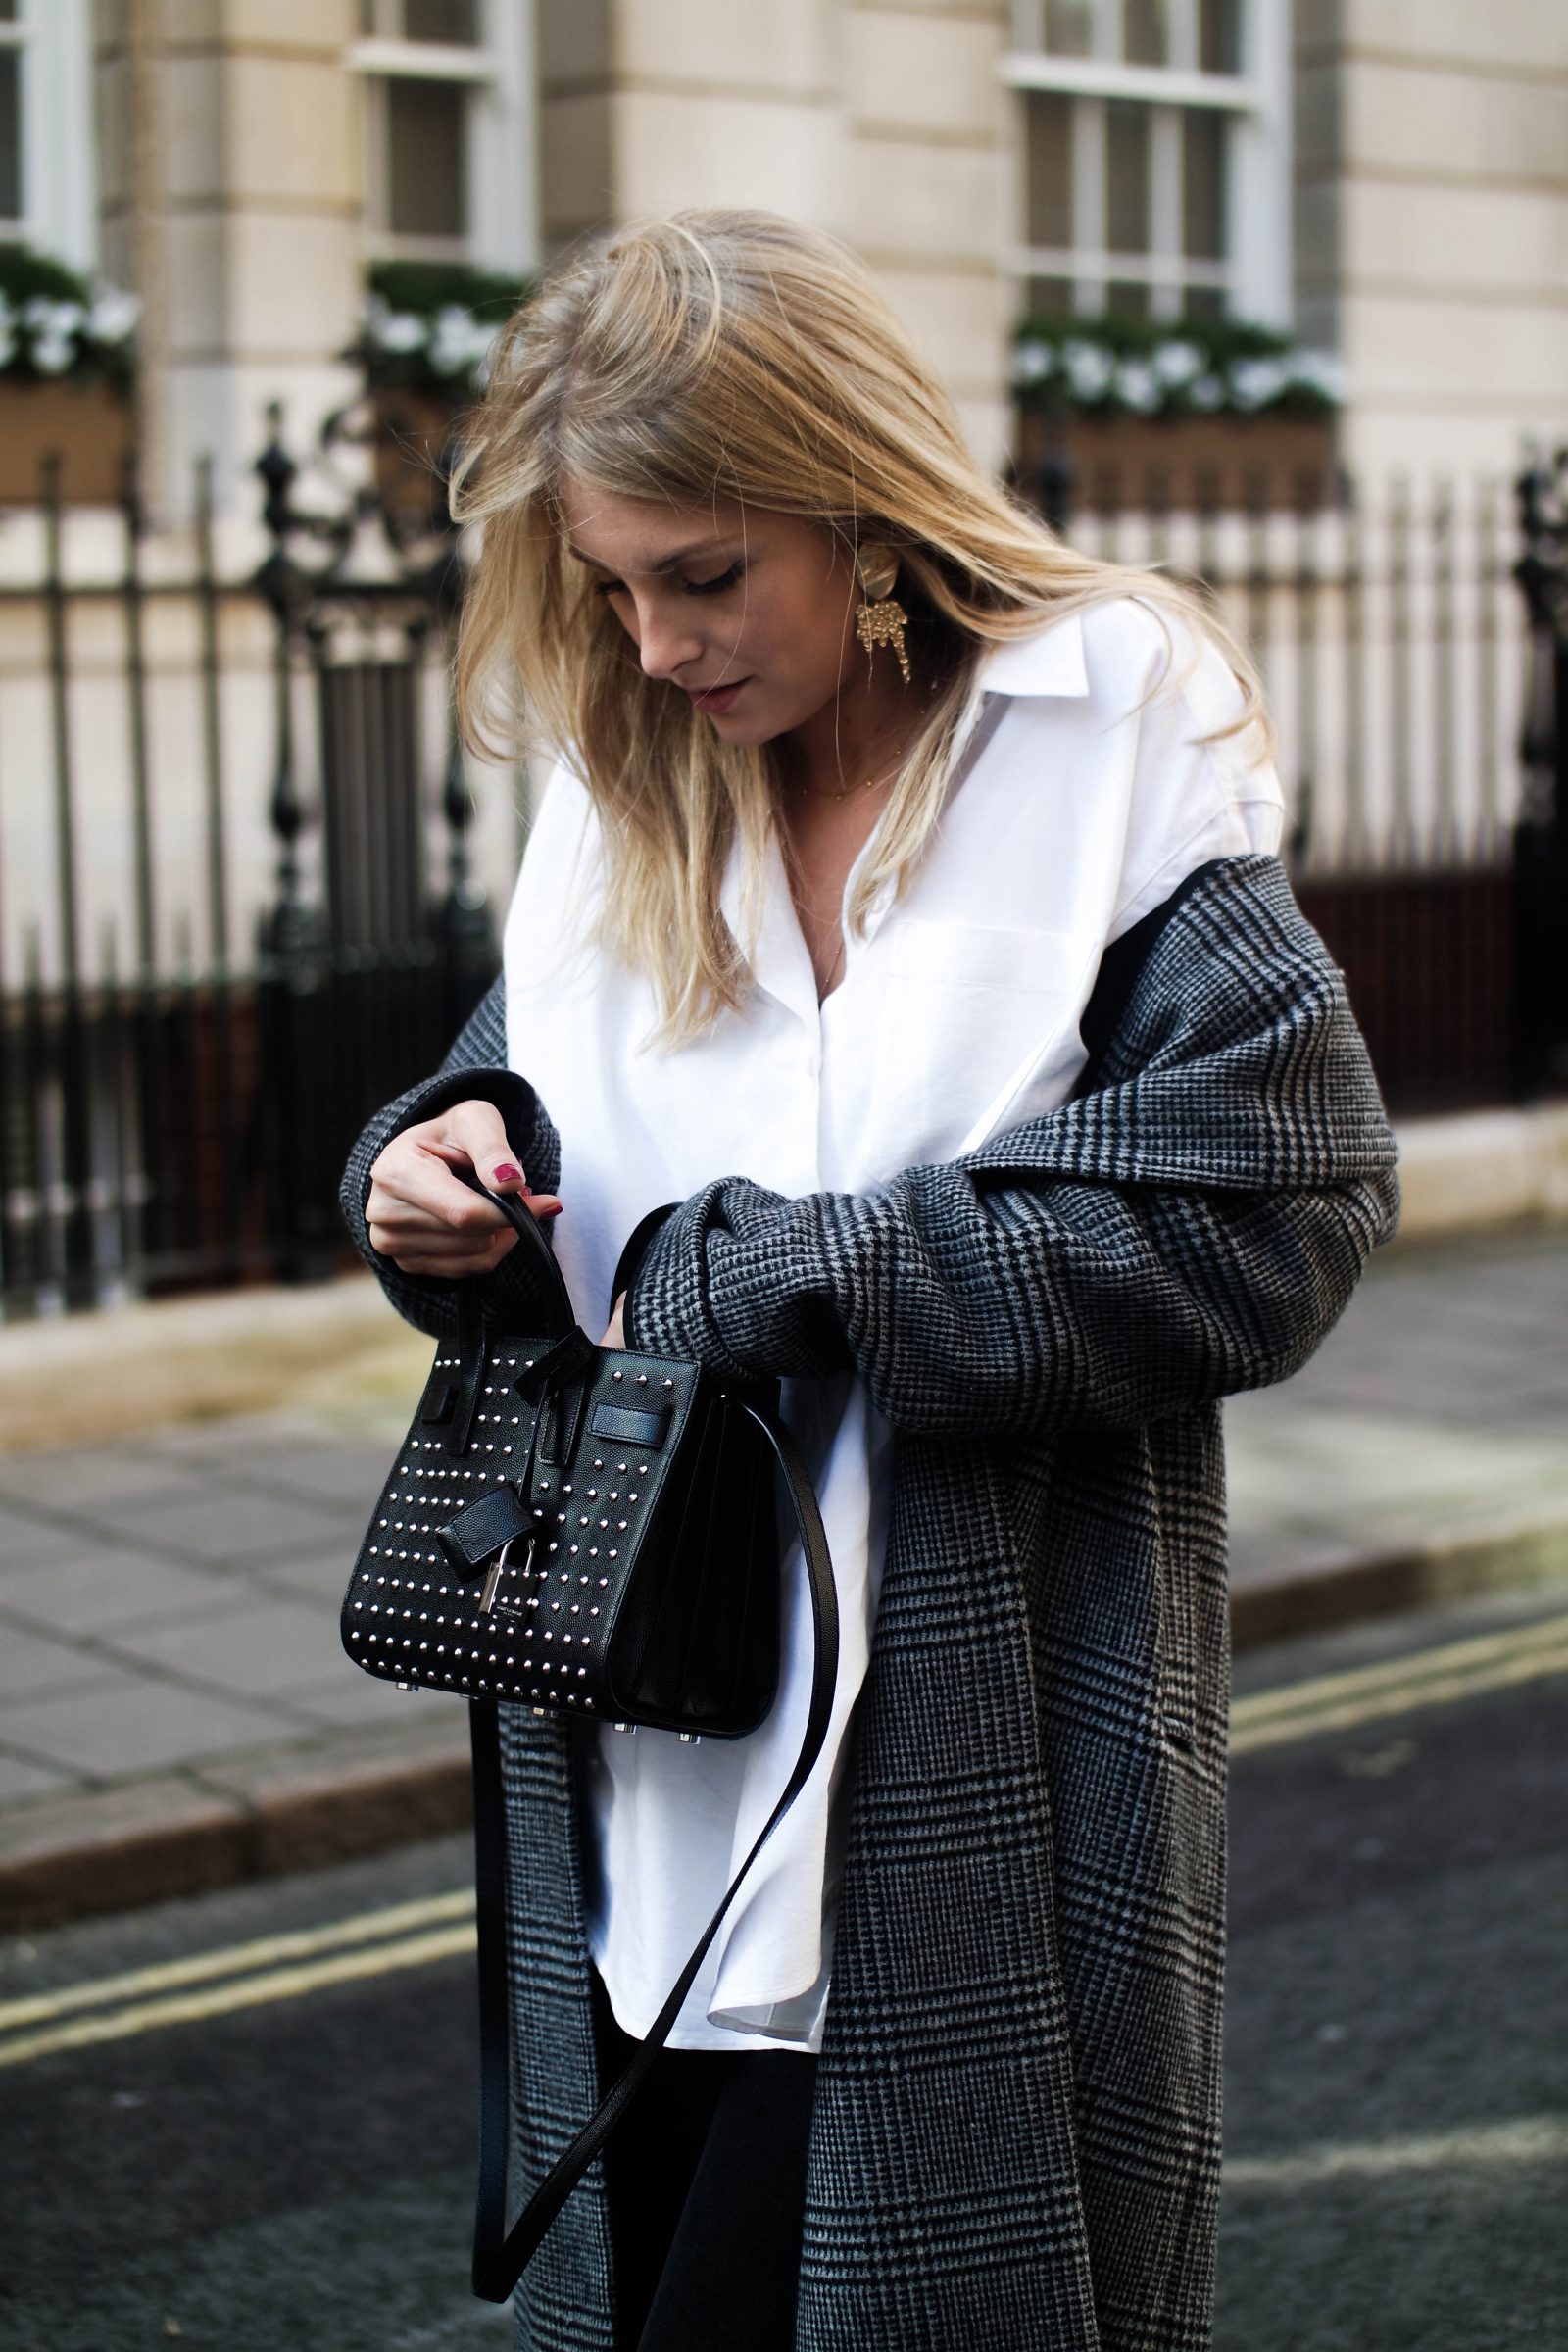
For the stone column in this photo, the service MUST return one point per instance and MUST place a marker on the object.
(231, 203)
(1432, 193)
(927, 189)
(885, 124)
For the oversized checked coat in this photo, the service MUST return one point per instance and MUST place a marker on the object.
(1015, 2143)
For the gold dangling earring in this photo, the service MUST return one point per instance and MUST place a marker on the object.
(881, 620)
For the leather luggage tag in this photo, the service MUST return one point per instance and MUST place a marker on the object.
(481, 1529)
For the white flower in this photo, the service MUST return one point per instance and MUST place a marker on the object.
(1322, 373)
(1032, 362)
(1208, 392)
(53, 328)
(1256, 382)
(1138, 386)
(47, 316)
(460, 342)
(401, 330)
(1090, 369)
(1176, 363)
(52, 354)
(114, 315)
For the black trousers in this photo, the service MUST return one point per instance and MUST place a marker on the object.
(705, 2175)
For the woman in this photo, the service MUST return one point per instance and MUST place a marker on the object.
(904, 906)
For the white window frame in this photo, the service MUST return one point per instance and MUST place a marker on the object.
(59, 192)
(503, 204)
(1255, 277)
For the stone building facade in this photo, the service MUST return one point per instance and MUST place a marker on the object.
(1387, 177)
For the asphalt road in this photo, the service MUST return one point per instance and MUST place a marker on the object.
(244, 2122)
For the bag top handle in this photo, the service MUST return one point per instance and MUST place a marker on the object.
(529, 1230)
(560, 1314)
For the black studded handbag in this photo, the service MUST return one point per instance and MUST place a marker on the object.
(593, 1533)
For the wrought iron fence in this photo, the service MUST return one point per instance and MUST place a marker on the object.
(239, 903)
(1391, 638)
(1398, 655)
(245, 884)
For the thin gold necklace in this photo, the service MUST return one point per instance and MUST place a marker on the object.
(825, 791)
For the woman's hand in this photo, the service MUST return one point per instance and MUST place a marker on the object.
(426, 1219)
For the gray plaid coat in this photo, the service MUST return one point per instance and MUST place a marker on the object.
(1017, 2136)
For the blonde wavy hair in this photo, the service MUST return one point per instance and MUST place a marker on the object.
(734, 356)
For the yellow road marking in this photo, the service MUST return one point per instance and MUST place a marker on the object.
(243, 1993)
(414, 1935)
(199, 1967)
(1432, 1678)
(1478, 1650)
(1525, 2139)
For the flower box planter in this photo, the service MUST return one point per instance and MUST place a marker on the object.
(1184, 462)
(90, 427)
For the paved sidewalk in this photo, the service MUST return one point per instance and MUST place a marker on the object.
(177, 1711)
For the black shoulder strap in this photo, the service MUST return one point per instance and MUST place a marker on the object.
(500, 2255)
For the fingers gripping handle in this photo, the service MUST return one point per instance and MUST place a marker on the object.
(559, 1317)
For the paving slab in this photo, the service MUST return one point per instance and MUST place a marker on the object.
(20, 1779)
(267, 1648)
(36, 1665)
(175, 1708)
(104, 1586)
(225, 1524)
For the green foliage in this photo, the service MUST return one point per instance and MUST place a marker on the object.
(1115, 365)
(428, 287)
(428, 327)
(25, 273)
(56, 327)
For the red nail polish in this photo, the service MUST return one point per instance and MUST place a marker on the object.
(555, 1211)
(507, 1174)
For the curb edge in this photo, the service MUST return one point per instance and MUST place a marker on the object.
(205, 1834)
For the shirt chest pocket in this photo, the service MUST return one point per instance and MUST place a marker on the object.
(975, 1015)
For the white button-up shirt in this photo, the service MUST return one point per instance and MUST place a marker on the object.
(1077, 803)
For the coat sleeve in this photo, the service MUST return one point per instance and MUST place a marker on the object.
(1192, 1226)
(474, 1069)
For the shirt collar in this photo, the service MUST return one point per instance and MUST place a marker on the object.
(1050, 661)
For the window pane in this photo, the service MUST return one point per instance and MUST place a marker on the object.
(455, 20)
(426, 159)
(1204, 301)
(1127, 177)
(9, 137)
(1050, 298)
(8, 11)
(1144, 34)
(1069, 27)
(1220, 37)
(1128, 298)
(1203, 184)
(1050, 170)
